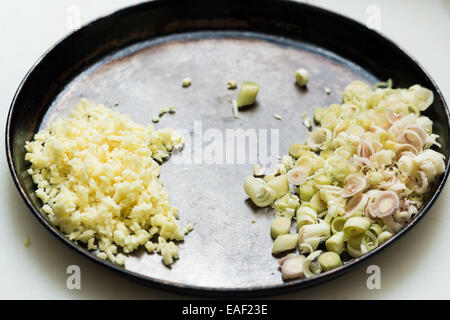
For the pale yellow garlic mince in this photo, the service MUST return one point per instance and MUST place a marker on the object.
(98, 180)
(361, 176)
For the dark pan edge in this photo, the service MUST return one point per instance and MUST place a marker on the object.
(221, 292)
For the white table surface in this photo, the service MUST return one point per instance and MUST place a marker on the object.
(417, 266)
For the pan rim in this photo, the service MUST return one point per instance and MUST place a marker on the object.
(217, 291)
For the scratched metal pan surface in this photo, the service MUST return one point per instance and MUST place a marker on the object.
(138, 57)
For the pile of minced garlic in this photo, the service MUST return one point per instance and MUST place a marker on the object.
(97, 178)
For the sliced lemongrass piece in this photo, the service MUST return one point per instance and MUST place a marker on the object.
(355, 253)
(302, 76)
(318, 230)
(306, 162)
(317, 204)
(289, 255)
(383, 158)
(285, 242)
(392, 116)
(413, 138)
(258, 171)
(336, 242)
(259, 192)
(385, 205)
(355, 242)
(337, 225)
(384, 236)
(307, 264)
(156, 119)
(297, 176)
(369, 242)
(423, 97)
(356, 205)
(361, 162)
(356, 226)
(320, 138)
(376, 229)
(422, 185)
(419, 130)
(365, 149)
(280, 185)
(279, 226)
(292, 267)
(391, 225)
(295, 150)
(329, 260)
(247, 94)
(406, 165)
(354, 185)
(318, 114)
(425, 123)
(305, 248)
(305, 219)
(280, 169)
(306, 211)
(287, 161)
(307, 191)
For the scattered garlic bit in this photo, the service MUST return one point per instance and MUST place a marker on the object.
(327, 90)
(189, 227)
(361, 176)
(103, 187)
(280, 169)
(231, 85)
(186, 82)
(278, 116)
(120, 259)
(247, 94)
(116, 103)
(258, 171)
(161, 112)
(102, 255)
(27, 242)
(302, 77)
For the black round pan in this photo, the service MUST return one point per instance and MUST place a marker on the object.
(139, 55)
